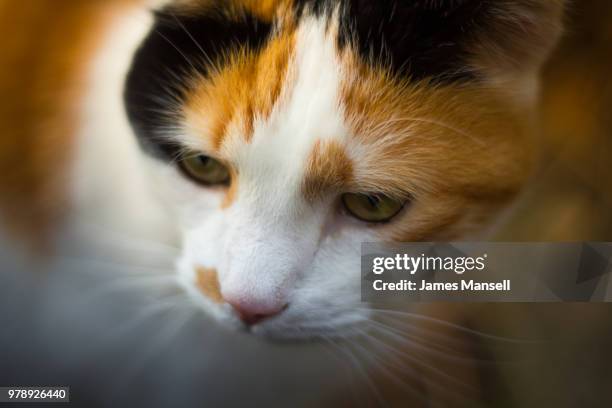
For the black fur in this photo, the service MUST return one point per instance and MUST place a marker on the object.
(416, 39)
(420, 39)
(176, 46)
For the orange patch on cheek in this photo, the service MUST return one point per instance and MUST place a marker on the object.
(328, 168)
(208, 283)
(230, 196)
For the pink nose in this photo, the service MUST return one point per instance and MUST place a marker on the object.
(252, 313)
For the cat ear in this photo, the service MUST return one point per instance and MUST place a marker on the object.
(515, 38)
(453, 39)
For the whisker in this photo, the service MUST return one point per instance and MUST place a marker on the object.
(358, 366)
(197, 44)
(449, 343)
(170, 331)
(188, 60)
(351, 375)
(418, 334)
(388, 373)
(421, 363)
(165, 305)
(390, 332)
(458, 327)
(125, 239)
(444, 340)
(107, 265)
(431, 122)
(132, 283)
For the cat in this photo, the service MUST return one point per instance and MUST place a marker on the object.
(271, 138)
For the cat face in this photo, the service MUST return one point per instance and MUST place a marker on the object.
(284, 134)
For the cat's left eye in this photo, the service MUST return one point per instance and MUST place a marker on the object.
(205, 170)
(371, 207)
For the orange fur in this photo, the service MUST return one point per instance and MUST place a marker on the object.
(458, 152)
(45, 51)
(232, 191)
(328, 170)
(265, 10)
(208, 283)
(245, 90)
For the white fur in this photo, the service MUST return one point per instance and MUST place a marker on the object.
(271, 247)
(110, 187)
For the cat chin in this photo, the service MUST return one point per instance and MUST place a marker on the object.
(278, 331)
(310, 330)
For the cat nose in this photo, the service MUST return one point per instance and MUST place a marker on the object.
(252, 312)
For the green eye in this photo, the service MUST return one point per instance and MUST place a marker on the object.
(205, 170)
(371, 207)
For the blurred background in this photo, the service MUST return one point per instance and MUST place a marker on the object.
(571, 197)
(542, 354)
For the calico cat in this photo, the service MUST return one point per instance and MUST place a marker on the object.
(274, 137)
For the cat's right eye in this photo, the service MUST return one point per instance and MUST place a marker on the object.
(375, 208)
(205, 170)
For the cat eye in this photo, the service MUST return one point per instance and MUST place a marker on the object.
(205, 170)
(371, 207)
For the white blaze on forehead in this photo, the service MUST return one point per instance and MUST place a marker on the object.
(307, 110)
(272, 233)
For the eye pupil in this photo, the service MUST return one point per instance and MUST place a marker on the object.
(374, 200)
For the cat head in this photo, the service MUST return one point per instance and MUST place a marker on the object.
(284, 133)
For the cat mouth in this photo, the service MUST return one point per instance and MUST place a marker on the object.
(282, 328)
(300, 321)
(291, 326)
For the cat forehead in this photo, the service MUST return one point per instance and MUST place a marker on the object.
(277, 116)
(250, 79)
(240, 47)
(280, 101)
